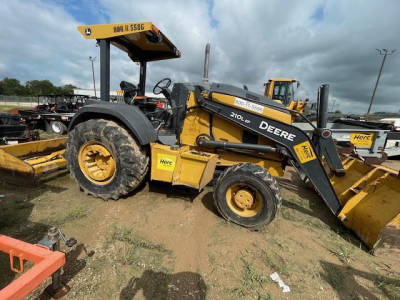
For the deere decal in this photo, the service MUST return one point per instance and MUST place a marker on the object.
(166, 162)
(362, 139)
(304, 152)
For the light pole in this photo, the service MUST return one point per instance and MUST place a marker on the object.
(333, 105)
(94, 81)
(385, 53)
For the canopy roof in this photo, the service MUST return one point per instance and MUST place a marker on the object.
(142, 41)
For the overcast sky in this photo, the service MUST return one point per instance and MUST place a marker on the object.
(315, 41)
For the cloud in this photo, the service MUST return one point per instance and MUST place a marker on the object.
(39, 41)
(321, 41)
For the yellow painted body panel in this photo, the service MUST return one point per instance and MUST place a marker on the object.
(23, 164)
(139, 39)
(158, 153)
(371, 204)
(182, 166)
(195, 169)
(197, 122)
(267, 112)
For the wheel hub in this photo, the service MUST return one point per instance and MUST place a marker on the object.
(244, 199)
(97, 162)
(56, 127)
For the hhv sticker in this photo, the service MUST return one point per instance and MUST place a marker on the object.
(304, 152)
(166, 162)
(361, 139)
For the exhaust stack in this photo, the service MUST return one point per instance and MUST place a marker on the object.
(206, 63)
(322, 108)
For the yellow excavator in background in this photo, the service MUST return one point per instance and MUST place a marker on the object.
(112, 146)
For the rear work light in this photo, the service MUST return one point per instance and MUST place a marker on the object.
(155, 29)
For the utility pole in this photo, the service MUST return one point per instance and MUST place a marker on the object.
(94, 81)
(385, 53)
(333, 105)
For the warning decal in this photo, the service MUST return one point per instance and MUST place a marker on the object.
(304, 152)
(166, 162)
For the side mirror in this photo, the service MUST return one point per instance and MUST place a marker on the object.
(245, 87)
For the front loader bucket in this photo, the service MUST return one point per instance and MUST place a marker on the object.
(23, 164)
(370, 198)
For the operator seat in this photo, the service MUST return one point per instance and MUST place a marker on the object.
(130, 91)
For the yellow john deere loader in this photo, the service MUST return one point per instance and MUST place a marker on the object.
(112, 146)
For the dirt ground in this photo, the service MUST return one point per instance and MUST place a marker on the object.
(166, 242)
(170, 243)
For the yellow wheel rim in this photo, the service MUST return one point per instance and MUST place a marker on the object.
(244, 200)
(97, 163)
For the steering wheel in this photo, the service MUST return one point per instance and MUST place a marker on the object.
(168, 83)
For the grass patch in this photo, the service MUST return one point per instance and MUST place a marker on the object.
(345, 252)
(14, 211)
(76, 213)
(275, 262)
(287, 214)
(300, 202)
(391, 290)
(317, 225)
(127, 248)
(251, 282)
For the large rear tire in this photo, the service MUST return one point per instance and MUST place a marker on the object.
(248, 195)
(104, 159)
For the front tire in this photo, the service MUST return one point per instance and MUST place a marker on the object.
(248, 195)
(104, 159)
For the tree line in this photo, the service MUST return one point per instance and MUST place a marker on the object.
(33, 88)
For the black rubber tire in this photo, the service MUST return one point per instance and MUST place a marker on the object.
(260, 180)
(132, 161)
(217, 173)
(63, 128)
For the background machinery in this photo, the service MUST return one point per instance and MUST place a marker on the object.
(282, 90)
(53, 112)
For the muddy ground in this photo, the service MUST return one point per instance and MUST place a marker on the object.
(170, 243)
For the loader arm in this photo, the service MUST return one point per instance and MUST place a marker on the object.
(294, 142)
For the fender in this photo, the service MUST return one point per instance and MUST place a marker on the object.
(130, 116)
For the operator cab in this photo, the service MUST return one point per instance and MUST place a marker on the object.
(143, 42)
(281, 90)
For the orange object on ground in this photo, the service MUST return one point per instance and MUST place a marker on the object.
(46, 263)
